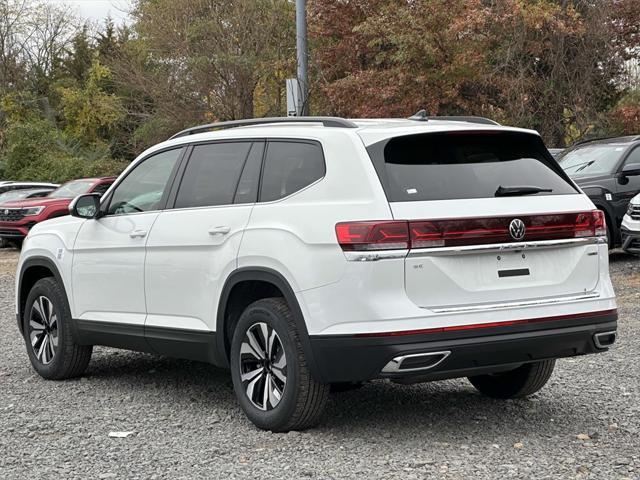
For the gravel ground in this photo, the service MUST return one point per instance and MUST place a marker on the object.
(186, 423)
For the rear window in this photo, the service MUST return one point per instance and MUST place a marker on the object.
(445, 166)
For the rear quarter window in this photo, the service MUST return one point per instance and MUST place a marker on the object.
(464, 165)
(289, 167)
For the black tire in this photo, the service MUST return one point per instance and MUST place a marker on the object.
(521, 382)
(68, 359)
(302, 398)
(16, 244)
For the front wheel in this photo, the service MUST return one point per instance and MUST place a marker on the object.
(269, 370)
(520, 382)
(52, 350)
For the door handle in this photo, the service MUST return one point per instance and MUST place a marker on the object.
(222, 230)
(138, 234)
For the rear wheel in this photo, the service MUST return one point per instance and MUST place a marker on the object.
(269, 370)
(47, 333)
(521, 382)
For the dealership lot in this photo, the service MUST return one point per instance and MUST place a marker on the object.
(186, 422)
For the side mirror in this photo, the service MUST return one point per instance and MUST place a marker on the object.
(631, 170)
(85, 206)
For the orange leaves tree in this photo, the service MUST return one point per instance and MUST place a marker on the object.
(550, 65)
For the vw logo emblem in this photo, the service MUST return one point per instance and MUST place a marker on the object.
(517, 229)
(6, 212)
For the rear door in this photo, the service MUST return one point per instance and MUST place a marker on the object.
(194, 245)
(474, 243)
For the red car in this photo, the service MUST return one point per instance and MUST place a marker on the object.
(17, 218)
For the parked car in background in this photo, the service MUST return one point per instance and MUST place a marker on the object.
(18, 217)
(630, 229)
(11, 186)
(555, 152)
(13, 195)
(608, 171)
(462, 250)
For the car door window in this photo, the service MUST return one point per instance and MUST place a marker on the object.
(101, 188)
(143, 188)
(289, 167)
(247, 190)
(212, 174)
(634, 157)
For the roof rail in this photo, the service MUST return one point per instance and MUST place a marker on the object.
(422, 116)
(325, 121)
(626, 138)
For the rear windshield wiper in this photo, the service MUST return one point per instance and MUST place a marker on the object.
(516, 191)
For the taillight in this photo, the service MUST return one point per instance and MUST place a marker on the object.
(373, 235)
(389, 235)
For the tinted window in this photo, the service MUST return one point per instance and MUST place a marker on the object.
(634, 157)
(247, 191)
(590, 160)
(289, 167)
(464, 165)
(142, 189)
(212, 174)
(101, 188)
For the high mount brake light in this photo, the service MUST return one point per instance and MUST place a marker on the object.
(394, 235)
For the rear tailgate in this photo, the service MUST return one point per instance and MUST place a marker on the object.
(471, 244)
(501, 271)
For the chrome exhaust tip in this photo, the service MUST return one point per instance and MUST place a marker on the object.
(604, 339)
(415, 362)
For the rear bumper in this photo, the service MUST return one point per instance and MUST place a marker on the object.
(459, 353)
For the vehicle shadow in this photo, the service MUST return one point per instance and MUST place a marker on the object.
(621, 256)
(448, 410)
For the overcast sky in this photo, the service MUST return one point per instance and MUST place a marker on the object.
(99, 9)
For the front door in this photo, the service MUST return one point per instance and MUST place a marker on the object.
(109, 252)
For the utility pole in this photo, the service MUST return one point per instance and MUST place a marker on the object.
(303, 56)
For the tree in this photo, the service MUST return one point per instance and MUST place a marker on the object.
(200, 60)
(89, 111)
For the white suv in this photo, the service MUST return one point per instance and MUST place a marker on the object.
(312, 253)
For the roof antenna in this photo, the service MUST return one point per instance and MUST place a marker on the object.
(421, 116)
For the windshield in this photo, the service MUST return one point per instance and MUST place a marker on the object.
(72, 189)
(14, 195)
(592, 160)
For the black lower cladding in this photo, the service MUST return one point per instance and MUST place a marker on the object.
(173, 342)
(630, 240)
(355, 359)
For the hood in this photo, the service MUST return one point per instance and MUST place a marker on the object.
(37, 202)
(590, 180)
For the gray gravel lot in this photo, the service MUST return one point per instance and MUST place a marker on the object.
(186, 423)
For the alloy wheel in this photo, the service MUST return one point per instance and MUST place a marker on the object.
(43, 330)
(263, 366)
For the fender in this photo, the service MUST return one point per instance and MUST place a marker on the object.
(275, 278)
(38, 261)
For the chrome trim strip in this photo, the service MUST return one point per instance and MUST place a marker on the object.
(394, 366)
(501, 247)
(374, 256)
(529, 303)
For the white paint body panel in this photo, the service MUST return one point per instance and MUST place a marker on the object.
(186, 266)
(108, 268)
(173, 278)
